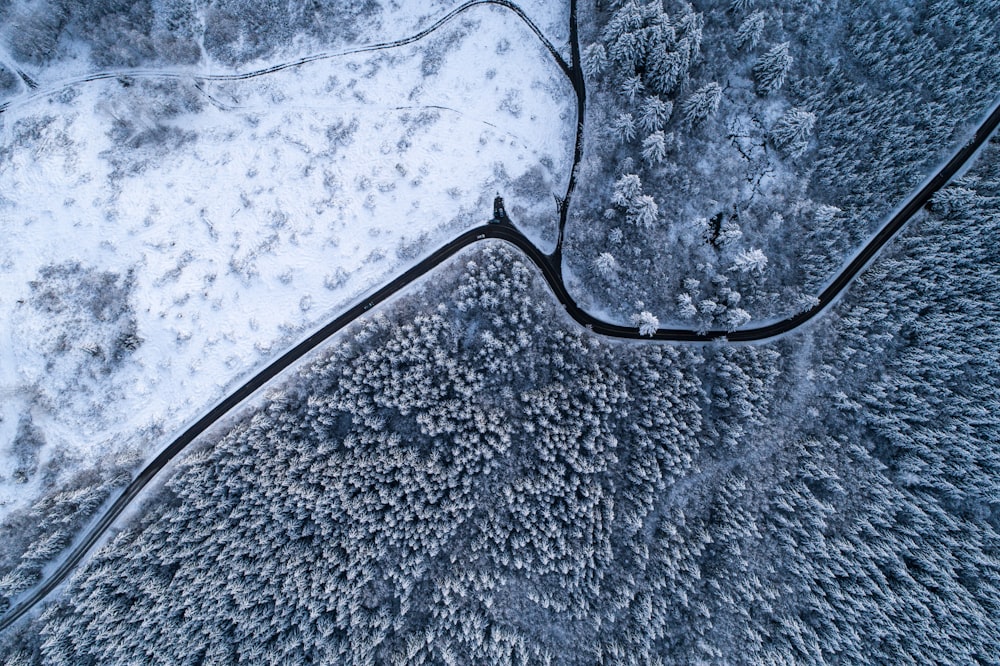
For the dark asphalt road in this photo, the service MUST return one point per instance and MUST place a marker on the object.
(551, 268)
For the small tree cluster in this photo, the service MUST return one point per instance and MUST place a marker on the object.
(640, 209)
(710, 303)
(645, 45)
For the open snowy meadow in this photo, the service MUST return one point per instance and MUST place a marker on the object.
(165, 235)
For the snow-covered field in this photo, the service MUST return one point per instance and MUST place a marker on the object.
(163, 238)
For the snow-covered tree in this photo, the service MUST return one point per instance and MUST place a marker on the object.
(627, 189)
(792, 130)
(685, 306)
(631, 88)
(750, 31)
(595, 59)
(646, 322)
(654, 148)
(606, 264)
(643, 211)
(654, 113)
(729, 233)
(642, 40)
(771, 68)
(735, 317)
(623, 127)
(623, 36)
(673, 45)
(702, 103)
(750, 261)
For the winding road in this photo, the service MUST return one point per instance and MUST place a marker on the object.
(498, 229)
(37, 92)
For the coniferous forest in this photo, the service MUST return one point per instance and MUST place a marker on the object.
(466, 476)
(739, 152)
(469, 478)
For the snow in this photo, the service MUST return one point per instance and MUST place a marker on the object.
(256, 217)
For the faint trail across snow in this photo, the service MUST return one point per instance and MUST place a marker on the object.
(37, 91)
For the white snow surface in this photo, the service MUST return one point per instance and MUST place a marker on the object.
(256, 218)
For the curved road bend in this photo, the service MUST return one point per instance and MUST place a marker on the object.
(37, 92)
(551, 268)
(504, 231)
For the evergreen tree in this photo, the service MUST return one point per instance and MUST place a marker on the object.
(643, 211)
(623, 127)
(654, 114)
(792, 130)
(654, 148)
(750, 30)
(750, 261)
(646, 322)
(771, 68)
(702, 103)
(606, 264)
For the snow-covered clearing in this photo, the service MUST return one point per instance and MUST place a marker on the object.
(379, 23)
(221, 223)
(400, 18)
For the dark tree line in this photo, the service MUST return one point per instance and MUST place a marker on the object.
(128, 33)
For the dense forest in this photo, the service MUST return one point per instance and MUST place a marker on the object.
(737, 153)
(468, 478)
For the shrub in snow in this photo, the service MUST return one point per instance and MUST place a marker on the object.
(81, 309)
(23, 452)
(8, 81)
